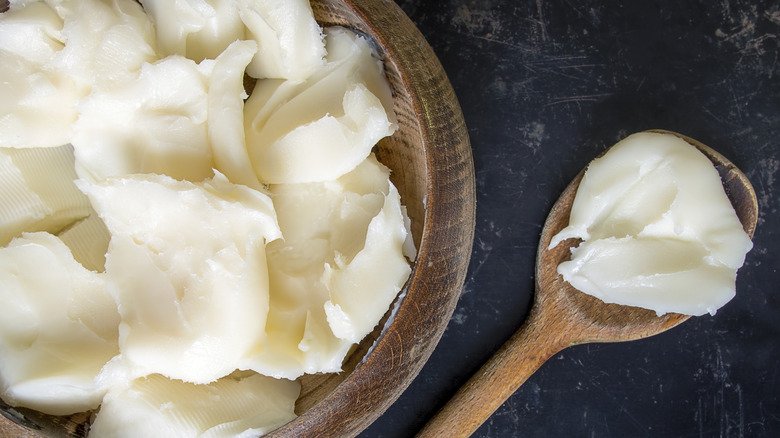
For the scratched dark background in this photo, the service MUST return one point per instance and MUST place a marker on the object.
(545, 86)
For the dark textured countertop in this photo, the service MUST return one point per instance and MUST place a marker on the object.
(545, 86)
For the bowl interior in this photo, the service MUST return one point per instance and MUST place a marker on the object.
(431, 164)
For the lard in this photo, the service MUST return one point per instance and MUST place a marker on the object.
(240, 405)
(197, 265)
(201, 249)
(323, 127)
(657, 229)
(58, 327)
(38, 193)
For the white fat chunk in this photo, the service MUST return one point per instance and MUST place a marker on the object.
(226, 114)
(123, 49)
(201, 249)
(93, 31)
(325, 224)
(66, 48)
(197, 29)
(154, 124)
(31, 32)
(289, 38)
(361, 290)
(657, 227)
(187, 266)
(58, 327)
(322, 128)
(37, 108)
(240, 405)
(664, 275)
(37, 192)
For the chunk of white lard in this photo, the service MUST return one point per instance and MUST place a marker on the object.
(53, 53)
(226, 114)
(37, 191)
(657, 227)
(240, 405)
(105, 41)
(196, 29)
(290, 40)
(156, 123)
(58, 327)
(323, 127)
(187, 266)
(335, 273)
(37, 105)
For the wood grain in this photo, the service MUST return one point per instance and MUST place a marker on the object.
(562, 316)
(431, 164)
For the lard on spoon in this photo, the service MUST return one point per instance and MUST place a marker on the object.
(657, 229)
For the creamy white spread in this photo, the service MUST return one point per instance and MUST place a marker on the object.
(199, 264)
(38, 191)
(201, 250)
(242, 405)
(322, 127)
(657, 229)
(58, 326)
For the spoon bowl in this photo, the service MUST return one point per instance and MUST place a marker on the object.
(562, 316)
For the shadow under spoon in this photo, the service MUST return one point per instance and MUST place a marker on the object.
(562, 316)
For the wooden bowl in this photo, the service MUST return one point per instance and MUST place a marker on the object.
(431, 163)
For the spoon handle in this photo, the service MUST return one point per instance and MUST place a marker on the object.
(532, 345)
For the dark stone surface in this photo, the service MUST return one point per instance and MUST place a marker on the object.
(545, 86)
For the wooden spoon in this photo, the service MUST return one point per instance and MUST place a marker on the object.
(561, 316)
